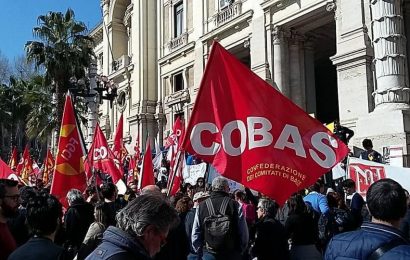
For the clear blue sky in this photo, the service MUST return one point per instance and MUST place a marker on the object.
(18, 17)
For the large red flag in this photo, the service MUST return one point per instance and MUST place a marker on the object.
(48, 167)
(5, 170)
(147, 172)
(13, 159)
(69, 170)
(254, 135)
(100, 157)
(119, 150)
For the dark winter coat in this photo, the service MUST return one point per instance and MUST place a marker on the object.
(118, 245)
(360, 244)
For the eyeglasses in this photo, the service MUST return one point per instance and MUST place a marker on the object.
(13, 197)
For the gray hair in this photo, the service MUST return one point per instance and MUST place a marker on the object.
(268, 206)
(220, 184)
(74, 195)
(147, 210)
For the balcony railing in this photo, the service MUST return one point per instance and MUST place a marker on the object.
(178, 41)
(228, 13)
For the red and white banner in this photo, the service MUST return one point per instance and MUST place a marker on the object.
(100, 157)
(365, 173)
(254, 135)
(175, 138)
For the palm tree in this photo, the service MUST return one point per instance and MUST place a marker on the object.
(64, 51)
(41, 119)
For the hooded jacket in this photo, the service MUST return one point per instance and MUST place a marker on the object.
(117, 244)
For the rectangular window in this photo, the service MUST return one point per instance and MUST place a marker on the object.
(178, 82)
(178, 19)
(224, 3)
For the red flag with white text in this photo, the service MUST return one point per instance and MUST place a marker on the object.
(69, 164)
(177, 134)
(147, 171)
(254, 135)
(100, 157)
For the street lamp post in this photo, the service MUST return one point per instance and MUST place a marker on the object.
(92, 104)
(100, 88)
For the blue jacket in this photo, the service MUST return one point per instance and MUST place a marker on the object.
(360, 244)
(318, 202)
(117, 244)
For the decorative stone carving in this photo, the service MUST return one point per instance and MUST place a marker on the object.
(277, 35)
(331, 5)
(390, 58)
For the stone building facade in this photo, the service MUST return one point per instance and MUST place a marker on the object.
(336, 59)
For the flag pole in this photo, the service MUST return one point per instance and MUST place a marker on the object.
(174, 172)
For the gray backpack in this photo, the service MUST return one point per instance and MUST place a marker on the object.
(218, 228)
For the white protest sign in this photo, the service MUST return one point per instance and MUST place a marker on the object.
(193, 172)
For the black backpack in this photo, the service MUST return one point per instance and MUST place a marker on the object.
(218, 228)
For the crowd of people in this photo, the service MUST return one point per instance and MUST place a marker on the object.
(205, 222)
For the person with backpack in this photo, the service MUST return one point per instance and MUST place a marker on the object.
(380, 238)
(220, 229)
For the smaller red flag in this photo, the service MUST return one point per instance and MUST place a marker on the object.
(100, 157)
(137, 149)
(177, 178)
(147, 171)
(132, 170)
(13, 159)
(119, 150)
(175, 138)
(27, 166)
(48, 167)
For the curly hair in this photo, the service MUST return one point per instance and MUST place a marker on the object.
(147, 210)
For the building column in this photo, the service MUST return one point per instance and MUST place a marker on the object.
(389, 41)
(279, 58)
(105, 4)
(294, 66)
(302, 73)
(310, 77)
